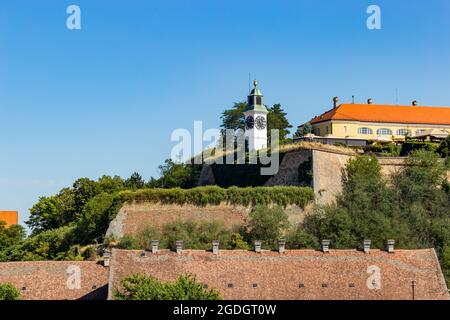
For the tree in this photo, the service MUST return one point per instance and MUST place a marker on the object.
(135, 181)
(143, 287)
(444, 147)
(276, 119)
(53, 212)
(10, 236)
(268, 224)
(233, 118)
(179, 175)
(9, 292)
(303, 130)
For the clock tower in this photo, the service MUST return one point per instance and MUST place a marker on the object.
(255, 120)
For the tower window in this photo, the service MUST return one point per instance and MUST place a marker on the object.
(258, 100)
(250, 100)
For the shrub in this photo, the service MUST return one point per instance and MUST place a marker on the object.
(127, 242)
(9, 292)
(142, 287)
(281, 195)
(268, 224)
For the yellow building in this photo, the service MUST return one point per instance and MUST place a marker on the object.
(357, 124)
(9, 217)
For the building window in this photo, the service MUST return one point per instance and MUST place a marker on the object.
(345, 130)
(384, 132)
(318, 132)
(364, 131)
(327, 129)
(403, 132)
(420, 131)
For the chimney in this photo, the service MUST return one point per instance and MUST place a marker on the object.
(215, 245)
(390, 246)
(366, 246)
(179, 245)
(414, 103)
(106, 257)
(369, 101)
(258, 246)
(281, 245)
(326, 246)
(155, 244)
(335, 102)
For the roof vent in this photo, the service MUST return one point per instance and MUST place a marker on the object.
(258, 246)
(106, 257)
(155, 245)
(366, 245)
(390, 246)
(414, 103)
(215, 245)
(281, 245)
(325, 246)
(179, 246)
(369, 101)
(335, 101)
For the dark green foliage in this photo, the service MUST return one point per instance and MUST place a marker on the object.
(128, 242)
(303, 130)
(194, 235)
(55, 244)
(281, 195)
(444, 148)
(233, 118)
(9, 292)
(276, 119)
(10, 236)
(176, 175)
(135, 182)
(268, 224)
(305, 173)
(143, 287)
(412, 145)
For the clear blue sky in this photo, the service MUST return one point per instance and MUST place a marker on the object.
(105, 99)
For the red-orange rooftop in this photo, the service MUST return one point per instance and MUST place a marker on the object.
(387, 114)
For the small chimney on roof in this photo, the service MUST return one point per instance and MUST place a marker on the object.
(258, 246)
(390, 246)
(215, 246)
(366, 245)
(106, 257)
(369, 101)
(155, 245)
(325, 246)
(281, 245)
(179, 246)
(335, 102)
(414, 103)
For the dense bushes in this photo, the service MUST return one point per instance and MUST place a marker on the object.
(412, 145)
(9, 292)
(214, 195)
(142, 287)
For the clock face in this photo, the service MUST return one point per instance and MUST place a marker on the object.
(249, 122)
(260, 123)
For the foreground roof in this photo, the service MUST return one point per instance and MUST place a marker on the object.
(387, 113)
(294, 275)
(56, 280)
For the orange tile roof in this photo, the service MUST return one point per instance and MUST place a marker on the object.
(48, 280)
(10, 217)
(387, 113)
(294, 275)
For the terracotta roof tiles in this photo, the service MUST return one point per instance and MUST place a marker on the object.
(387, 114)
